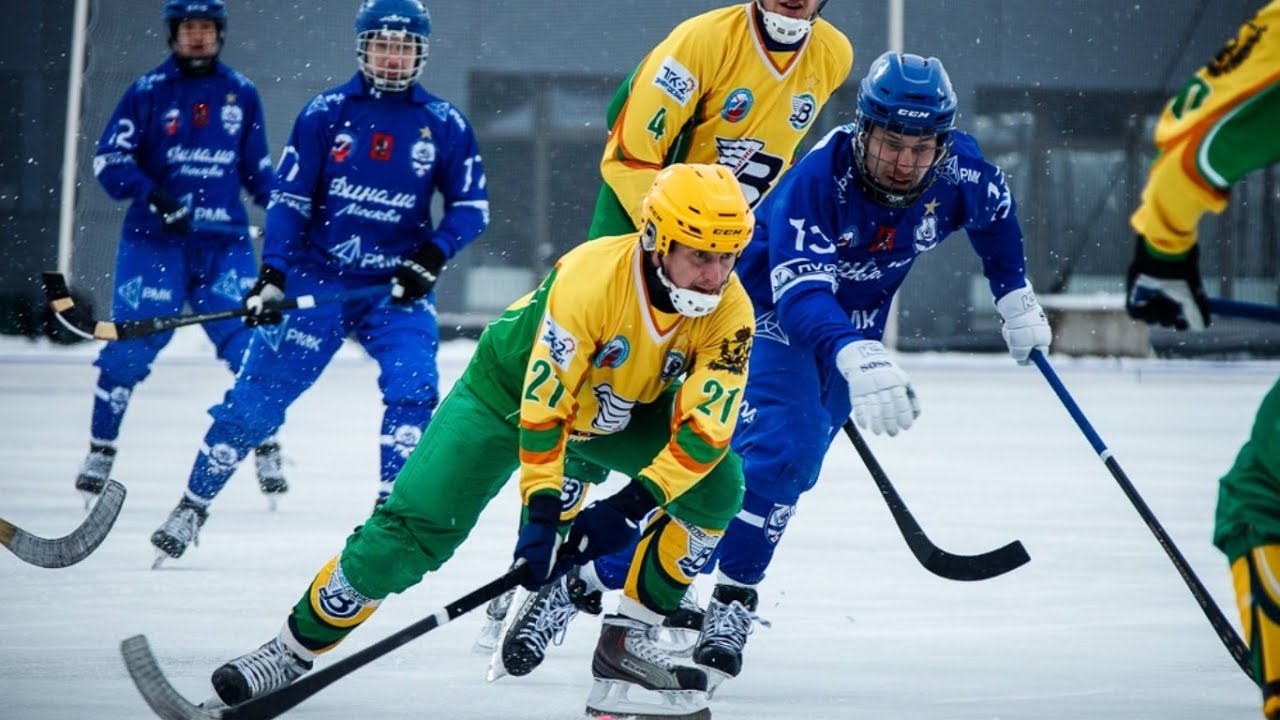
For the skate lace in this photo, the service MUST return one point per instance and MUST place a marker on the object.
(551, 619)
(183, 525)
(640, 643)
(727, 626)
(268, 667)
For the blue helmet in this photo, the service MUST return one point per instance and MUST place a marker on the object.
(907, 95)
(175, 11)
(391, 42)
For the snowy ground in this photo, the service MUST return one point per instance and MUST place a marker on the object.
(1098, 625)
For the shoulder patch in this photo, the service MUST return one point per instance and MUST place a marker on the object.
(561, 344)
(675, 80)
(734, 353)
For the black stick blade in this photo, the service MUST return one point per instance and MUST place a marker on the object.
(72, 548)
(164, 700)
(968, 568)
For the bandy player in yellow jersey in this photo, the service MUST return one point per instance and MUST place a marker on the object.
(738, 87)
(1222, 125)
(591, 364)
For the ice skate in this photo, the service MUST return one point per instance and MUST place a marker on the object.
(180, 530)
(725, 628)
(270, 466)
(633, 677)
(268, 668)
(538, 620)
(679, 632)
(94, 471)
(494, 613)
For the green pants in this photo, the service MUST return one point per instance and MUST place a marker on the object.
(466, 455)
(1248, 512)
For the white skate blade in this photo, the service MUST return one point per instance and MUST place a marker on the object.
(620, 698)
(714, 679)
(487, 640)
(161, 556)
(497, 668)
(272, 502)
(214, 703)
(89, 499)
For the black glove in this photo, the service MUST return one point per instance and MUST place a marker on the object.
(175, 216)
(265, 293)
(539, 542)
(1166, 292)
(417, 273)
(609, 525)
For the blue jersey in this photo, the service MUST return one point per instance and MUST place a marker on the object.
(198, 138)
(354, 185)
(825, 260)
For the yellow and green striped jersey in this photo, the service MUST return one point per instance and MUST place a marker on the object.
(572, 359)
(712, 92)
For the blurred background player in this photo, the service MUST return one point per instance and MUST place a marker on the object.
(1222, 125)
(740, 87)
(183, 140)
(351, 208)
(589, 364)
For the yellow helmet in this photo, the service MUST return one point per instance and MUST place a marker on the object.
(700, 206)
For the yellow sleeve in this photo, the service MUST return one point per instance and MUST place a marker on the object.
(558, 365)
(665, 94)
(707, 404)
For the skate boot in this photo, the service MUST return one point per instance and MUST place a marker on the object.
(494, 613)
(679, 632)
(269, 667)
(540, 619)
(725, 628)
(180, 530)
(95, 471)
(270, 467)
(633, 677)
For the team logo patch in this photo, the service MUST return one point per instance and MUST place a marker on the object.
(347, 251)
(404, 439)
(673, 365)
(380, 148)
(131, 291)
(737, 105)
(172, 121)
(232, 118)
(768, 328)
(341, 149)
(776, 523)
(803, 108)
(675, 80)
(884, 240)
(614, 353)
(200, 114)
(336, 601)
(926, 233)
(118, 398)
(698, 552)
(222, 457)
(571, 490)
(228, 285)
(561, 344)
(423, 156)
(733, 353)
(273, 334)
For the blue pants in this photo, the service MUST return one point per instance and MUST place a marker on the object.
(792, 408)
(284, 360)
(158, 275)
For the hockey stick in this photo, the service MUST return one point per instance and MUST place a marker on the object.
(1244, 310)
(73, 548)
(210, 226)
(59, 297)
(1226, 633)
(933, 558)
(170, 705)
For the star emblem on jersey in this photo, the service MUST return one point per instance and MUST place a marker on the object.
(425, 133)
(930, 207)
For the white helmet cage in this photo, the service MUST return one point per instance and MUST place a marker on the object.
(784, 29)
(408, 47)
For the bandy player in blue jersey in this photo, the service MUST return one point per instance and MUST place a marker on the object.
(350, 209)
(182, 142)
(833, 243)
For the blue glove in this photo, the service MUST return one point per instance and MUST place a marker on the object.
(609, 525)
(539, 542)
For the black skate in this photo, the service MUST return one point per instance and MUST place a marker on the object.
(269, 667)
(540, 619)
(270, 466)
(725, 628)
(180, 530)
(95, 470)
(634, 677)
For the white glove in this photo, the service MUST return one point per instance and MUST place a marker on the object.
(880, 391)
(1025, 326)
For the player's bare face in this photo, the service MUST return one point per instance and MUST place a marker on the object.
(899, 162)
(392, 57)
(803, 9)
(197, 38)
(698, 270)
